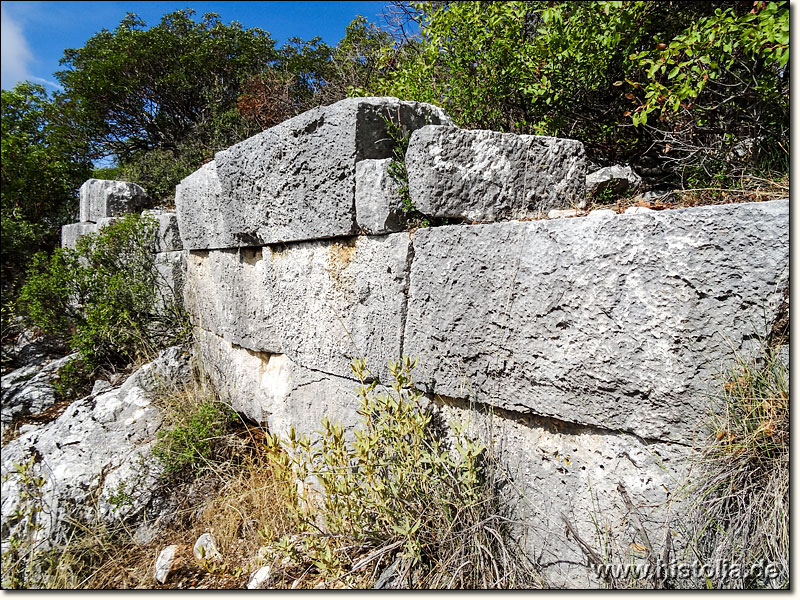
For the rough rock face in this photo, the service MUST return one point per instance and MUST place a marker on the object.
(321, 303)
(102, 198)
(225, 293)
(71, 233)
(294, 181)
(171, 271)
(167, 236)
(490, 176)
(98, 448)
(619, 179)
(619, 322)
(378, 206)
(29, 390)
(270, 388)
(338, 300)
(552, 468)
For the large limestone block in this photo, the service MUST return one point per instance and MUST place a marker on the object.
(103, 198)
(225, 293)
(333, 301)
(202, 218)
(167, 235)
(378, 205)
(490, 176)
(621, 322)
(70, 234)
(273, 390)
(294, 181)
(550, 468)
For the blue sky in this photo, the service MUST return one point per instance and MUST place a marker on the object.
(35, 34)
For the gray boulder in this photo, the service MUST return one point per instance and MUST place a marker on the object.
(378, 205)
(294, 181)
(70, 234)
(29, 390)
(101, 198)
(94, 459)
(620, 322)
(225, 293)
(491, 176)
(171, 272)
(551, 468)
(617, 179)
(332, 301)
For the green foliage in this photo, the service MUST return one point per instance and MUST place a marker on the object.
(716, 73)
(43, 163)
(396, 485)
(189, 445)
(73, 380)
(106, 295)
(139, 89)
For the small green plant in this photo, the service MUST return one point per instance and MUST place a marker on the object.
(72, 381)
(396, 489)
(189, 445)
(400, 137)
(20, 555)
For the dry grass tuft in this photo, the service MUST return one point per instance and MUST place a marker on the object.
(742, 500)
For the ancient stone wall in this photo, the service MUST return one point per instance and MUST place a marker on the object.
(587, 348)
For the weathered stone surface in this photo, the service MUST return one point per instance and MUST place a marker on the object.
(294, 181)
(167, 236)
(271, 389)
(378, 205)
(205, 548)
(70, 234)
(164, 563)
(102, 198)
(618, 179)
(225, 293)
(29, 390)
(94, 458)
(171, 270)
(259, 579)
(202, 216)
(552, 468)
(620, 322)
(489, 176)
(332, 301)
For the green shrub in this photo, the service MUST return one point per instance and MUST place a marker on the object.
(73, 381)
(105, 295)
(189, 445)
(396, 489)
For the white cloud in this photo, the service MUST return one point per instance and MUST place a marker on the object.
(15, 54)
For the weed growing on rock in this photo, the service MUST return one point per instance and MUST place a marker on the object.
(396, 495)
(742, 500)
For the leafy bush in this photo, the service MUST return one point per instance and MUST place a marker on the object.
(43, 163)
(396, 490)
(716, 75)
(188, 445)
(105, 295)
